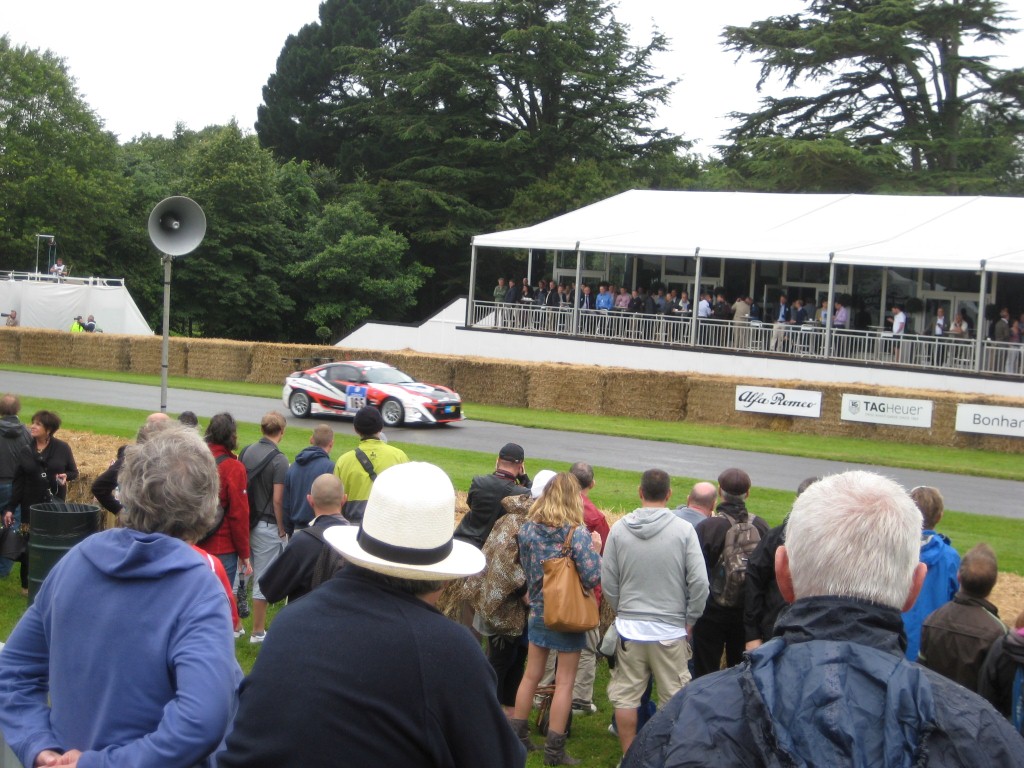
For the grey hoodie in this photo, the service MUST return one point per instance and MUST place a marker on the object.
(653, 569)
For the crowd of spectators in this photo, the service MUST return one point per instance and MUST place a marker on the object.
(792, 645)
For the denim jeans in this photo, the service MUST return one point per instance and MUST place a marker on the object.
(230, 563)
(5, 496)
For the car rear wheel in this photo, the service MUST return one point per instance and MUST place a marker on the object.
(299, 404)
(392, 412)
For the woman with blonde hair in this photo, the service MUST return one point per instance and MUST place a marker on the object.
(555, 517)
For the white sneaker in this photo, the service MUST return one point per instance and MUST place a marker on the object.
(257, 638)
(240, 632)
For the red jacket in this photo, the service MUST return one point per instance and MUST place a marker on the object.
(595, 520)
(233, 534)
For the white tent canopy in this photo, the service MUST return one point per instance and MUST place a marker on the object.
(962, 233)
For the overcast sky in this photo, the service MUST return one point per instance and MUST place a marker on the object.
(144, 66)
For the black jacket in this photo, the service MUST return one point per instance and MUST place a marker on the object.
(995, 681)
(291, 573)
(763, 601)
(485, 495)
(711, 534)
(31, 487)
(14, 438)
(358, 674)
(833, 688)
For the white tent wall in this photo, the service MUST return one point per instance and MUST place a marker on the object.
(49, 304)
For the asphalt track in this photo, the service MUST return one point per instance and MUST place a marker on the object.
(962, 493)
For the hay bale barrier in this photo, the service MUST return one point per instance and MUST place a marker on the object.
(100, 351)
(658, 395)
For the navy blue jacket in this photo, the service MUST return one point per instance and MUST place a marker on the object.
(311, 462)
(832, 688)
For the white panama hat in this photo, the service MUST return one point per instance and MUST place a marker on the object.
(407, 528)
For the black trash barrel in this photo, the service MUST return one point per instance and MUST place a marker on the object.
(56, 528)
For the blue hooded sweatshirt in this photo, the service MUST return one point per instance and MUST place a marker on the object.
(940, 585)
(126, 654)
(310, 463)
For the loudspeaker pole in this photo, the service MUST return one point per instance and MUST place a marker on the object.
(165, 348)
(177, 226)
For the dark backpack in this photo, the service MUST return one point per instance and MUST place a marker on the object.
(730, 572)
(328, 562)
(256, 514)
(218, 521)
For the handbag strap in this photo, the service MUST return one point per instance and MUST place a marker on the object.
(567, 544)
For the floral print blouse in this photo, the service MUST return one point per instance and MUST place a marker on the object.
(538, 543)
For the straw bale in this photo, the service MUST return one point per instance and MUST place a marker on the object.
(10, 343)
(433, 369)
(493, 383)
(646, 395)
(41, 346)
(100, 351)
(145, 352)
(271, 363)
(566, 388)
(218, 359)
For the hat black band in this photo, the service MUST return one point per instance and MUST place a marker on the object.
(402, 555)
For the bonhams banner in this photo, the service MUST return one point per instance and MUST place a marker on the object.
(785, 402)
(990, 420)
(887, 410)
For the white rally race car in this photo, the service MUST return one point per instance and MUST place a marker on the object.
(343, 388)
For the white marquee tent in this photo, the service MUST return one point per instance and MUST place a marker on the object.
(961, 233)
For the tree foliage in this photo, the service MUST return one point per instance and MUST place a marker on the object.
(59, 169)
(888, 72)
(357, 271)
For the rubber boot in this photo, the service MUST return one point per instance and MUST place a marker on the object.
(554, 750)
(522, 730)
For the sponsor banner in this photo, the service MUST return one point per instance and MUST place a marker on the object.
(990, 420)
(785, 402)
(887, 410)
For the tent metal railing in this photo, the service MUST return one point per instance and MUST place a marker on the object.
(810, 340)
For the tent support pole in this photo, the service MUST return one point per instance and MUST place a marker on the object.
(979, 332)
(577, 291)
(472, 288)
(529, 267)
(696, 299)
(827, 349)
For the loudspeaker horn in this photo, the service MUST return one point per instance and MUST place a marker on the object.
(177, 226)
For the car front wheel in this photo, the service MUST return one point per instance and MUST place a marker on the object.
(392, 412)
(299, 404)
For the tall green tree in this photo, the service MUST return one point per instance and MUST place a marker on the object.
(358, 270)
(59, 171)
(889, 72)
(460, 105)
(234, 285)
(315, 105)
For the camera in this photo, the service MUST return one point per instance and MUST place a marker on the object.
(5, 314)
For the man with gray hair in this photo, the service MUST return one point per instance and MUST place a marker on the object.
(126, 656)
(833, 686)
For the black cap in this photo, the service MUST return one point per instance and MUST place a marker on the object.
(368, 421)
(512, 452)
(734, 481)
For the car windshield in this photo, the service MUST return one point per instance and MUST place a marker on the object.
(386, 376)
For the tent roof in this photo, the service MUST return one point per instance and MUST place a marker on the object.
(878, 230)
